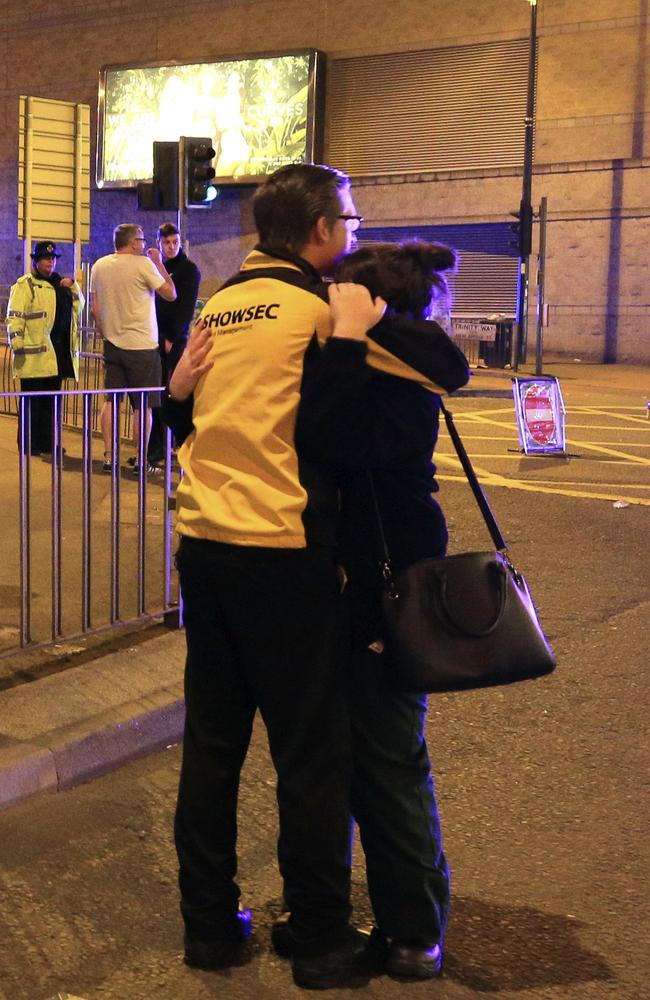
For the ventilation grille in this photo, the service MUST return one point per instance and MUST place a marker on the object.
(486, 282)
(457, 108)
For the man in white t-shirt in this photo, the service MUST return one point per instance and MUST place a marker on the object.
(123, 286)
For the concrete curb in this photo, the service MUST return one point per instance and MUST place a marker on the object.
(107, 715)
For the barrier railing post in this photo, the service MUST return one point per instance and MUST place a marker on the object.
(24, 448)
(86, 502)
(143, 414)
(57, 456)
(115, 507)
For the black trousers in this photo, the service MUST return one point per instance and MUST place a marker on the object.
(156, 447)
(41, 411)
(263, 633)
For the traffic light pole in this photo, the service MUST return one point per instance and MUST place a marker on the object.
(525, 208)
(541, 303)
(182, 180)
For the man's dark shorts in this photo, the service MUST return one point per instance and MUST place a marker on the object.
(132, 370)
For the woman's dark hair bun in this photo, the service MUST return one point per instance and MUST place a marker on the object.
(430, 256)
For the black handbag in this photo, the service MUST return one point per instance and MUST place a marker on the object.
(463, 621)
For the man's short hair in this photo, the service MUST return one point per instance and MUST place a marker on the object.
(167, 229)
(290, 201)
(124, 233)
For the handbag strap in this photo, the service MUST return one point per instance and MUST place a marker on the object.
(385, 563)
(477, 490)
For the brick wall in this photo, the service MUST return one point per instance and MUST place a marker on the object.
(592, 147)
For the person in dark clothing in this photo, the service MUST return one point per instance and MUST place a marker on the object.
(174, 319)
(259, 579)
(43, 326)
(362, 421)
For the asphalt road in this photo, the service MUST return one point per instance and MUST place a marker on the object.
(543, 786)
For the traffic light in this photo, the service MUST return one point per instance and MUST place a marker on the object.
(198, 172)
(162, 192)
(523, 229)
(165, 173)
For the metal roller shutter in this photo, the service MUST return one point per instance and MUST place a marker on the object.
(486, 282)
(456, 108)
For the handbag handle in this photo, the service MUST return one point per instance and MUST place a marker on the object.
(501, 605)
(477, 490)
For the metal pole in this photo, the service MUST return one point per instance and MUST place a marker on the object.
(115, 507)
(86, 551)
(182, 194)
(143, 414)
(541, 270)
(57, 456)
(24, 447)
(76, 216)
(27, 186)
(525, 208)
(86, 314)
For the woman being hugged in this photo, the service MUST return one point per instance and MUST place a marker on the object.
(380, 431)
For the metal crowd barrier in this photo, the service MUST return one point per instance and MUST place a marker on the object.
(106, 536)
(90, 377)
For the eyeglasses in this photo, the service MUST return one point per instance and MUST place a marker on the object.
(139, 239)
(358, 219)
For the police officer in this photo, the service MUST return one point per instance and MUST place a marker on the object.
(43, 327)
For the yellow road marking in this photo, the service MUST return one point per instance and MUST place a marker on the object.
(488, 478)
(512, 439)
(515, 456)
(515, 484)
(613, 427)
(601, 406)
(569, 482)
(638, 459)
(598, 412)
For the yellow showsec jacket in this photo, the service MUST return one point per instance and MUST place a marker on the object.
(243, 483)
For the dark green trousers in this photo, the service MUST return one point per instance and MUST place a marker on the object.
(394, 804)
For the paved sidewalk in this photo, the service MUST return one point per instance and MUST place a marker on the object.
(71, 726)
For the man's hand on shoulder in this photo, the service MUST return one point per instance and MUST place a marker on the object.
(354, 311)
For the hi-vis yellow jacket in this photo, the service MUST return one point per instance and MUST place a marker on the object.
(243, 482)
(30, 318)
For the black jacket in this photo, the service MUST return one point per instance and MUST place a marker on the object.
(174, 318)
(360, 420)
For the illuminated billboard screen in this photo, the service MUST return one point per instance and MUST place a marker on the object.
(261, 112)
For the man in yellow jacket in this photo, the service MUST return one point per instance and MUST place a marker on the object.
(43, 327)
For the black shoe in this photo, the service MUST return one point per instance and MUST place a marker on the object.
(403, 960)
(221, 953)
(407, 961)
(281, 936)
(47, 455)
(216, 954)
(339, 967)
(153, 470)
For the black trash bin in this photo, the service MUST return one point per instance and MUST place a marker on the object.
(497, 354)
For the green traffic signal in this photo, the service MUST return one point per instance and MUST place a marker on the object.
(199, 172)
